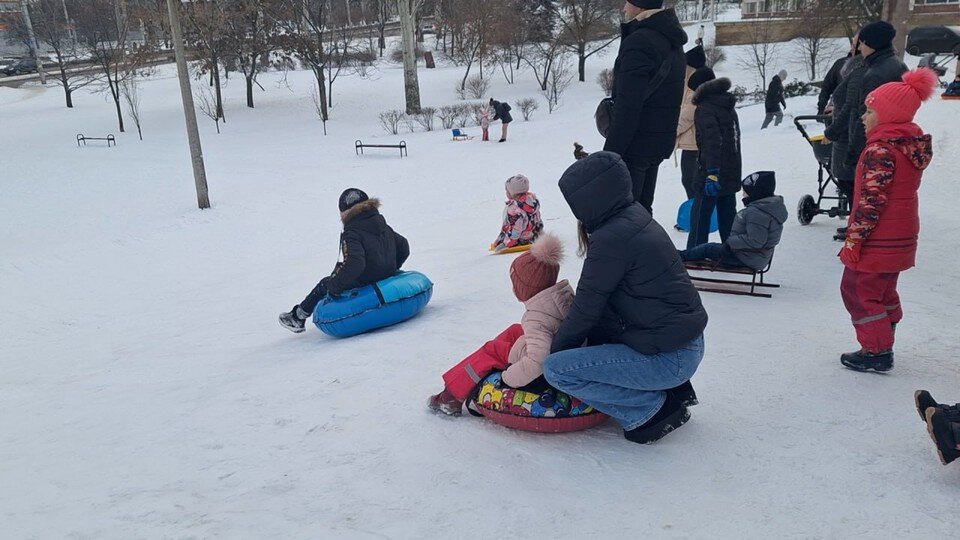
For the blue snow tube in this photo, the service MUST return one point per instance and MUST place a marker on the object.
(387, 302)
(683, 217)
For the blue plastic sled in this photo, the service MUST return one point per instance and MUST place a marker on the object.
(386, 303)
(683, 217)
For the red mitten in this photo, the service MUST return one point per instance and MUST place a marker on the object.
(850, 254)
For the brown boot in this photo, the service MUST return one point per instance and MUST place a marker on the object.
(445, 403)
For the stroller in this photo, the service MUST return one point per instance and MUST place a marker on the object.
(810, 207)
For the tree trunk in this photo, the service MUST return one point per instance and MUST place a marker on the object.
(411, 84)
(249, 92)
(65, 81)
(322, 88)
(217, 88)
(582, 62)
(139, 132)
(69, 94)
(115, 93)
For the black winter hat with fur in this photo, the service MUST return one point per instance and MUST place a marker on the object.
(699, 77)
(351, 197)
(696, 57)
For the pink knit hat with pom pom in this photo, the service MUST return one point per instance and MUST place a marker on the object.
(898, 102)
(536, 270)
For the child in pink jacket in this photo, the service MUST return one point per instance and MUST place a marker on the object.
(522, 223)
(520, 349)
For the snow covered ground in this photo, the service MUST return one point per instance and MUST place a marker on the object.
(148, 392)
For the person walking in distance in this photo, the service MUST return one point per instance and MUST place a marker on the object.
(775, 98)
(648, 83)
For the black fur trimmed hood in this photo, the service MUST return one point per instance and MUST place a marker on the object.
(715, 88)
(359, 208)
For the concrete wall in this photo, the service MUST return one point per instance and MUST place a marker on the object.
(744, 32)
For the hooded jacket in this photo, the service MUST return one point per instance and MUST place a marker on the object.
(845, 101)
(757, 230)
(541, 320)
(775, 98)
(501, 111)
(645, 126)
(633, 288)
(882, 67)
(884, 223)
(372, 251)
(718, 135)
(686, 130)
(522, 223)
(831, 81)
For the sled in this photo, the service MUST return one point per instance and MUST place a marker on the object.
(949, 98)
(683, 218)
(514, 249)
(730, 286)
(459, 135)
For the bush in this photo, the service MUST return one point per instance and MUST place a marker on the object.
(477, 110)
(448, 116)
(390, 121)
(463, 114)
(743, 96)
(527, 106)
(799, 88)
(396, 55)
(477, 87)
(715, 57)
(605, 80)
(425, 118)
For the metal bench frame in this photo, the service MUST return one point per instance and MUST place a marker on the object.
(109, 138)
(359, 146)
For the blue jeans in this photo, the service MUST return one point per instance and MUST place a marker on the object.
(710, 252)
(621, 382)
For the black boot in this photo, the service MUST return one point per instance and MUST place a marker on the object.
(924, 401)
(670, 416)
(944, 427)
(863, 360)
(685, 394)
(294, 320)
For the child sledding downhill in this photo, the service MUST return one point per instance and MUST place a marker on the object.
(372, 251)
(522, 223)
(521, 348)
(884, 223)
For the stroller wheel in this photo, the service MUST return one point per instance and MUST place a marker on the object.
(807, 209)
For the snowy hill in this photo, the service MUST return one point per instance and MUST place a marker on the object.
(148, 392)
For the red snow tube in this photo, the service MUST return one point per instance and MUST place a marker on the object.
(550, 411)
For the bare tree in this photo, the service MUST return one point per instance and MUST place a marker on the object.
(207, 103)
(130, 88)
(561, 75)
(426, 118)
(815, 46)
(52, 28)
(390, 121)
(605, 80)
(205, 29)
(250, 38)
(408, 10)
(103, 28)
(305, 34)
(587, 27)
(542, 57)
(761, 49)
(527, 106)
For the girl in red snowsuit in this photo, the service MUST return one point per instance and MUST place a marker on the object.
(884, 223)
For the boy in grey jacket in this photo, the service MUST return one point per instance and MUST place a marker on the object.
(756, 229)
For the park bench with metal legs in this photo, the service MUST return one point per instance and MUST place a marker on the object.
(82, 140)
(402, 147)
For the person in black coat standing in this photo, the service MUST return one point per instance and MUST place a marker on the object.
(882, 67)
(718, 139)
(372, 251)
(837, 134)
(774, 99)
(830, 83)
(648, 78)
(501, 111)
(635, 307)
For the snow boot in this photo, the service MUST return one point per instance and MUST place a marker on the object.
(685, 394)
(944, 430)
(924, 401)
(502, 140)
(294, 319)
(445, 403)
(863, 360)
(671, 415)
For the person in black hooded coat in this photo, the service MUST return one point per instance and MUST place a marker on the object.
(501, 112)
(371, 250)
(644, 123)
(718, 138)
(635, 307)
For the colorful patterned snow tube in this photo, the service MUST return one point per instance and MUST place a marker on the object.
(382, 304)
(550, 411)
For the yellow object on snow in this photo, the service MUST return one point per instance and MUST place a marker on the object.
(515, 249)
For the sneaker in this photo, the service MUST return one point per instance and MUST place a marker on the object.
(943, 431)
(502, 140)
(294, 320)
(445, 403)
(685, 394)
(671, 415)
(924, 401)
(863, 360)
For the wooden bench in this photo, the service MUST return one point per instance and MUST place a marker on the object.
(82, 139)
(756, 279)
(359, 146)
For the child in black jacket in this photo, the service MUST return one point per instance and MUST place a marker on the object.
(372, 251)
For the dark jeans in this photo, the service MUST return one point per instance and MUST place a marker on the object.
(689, 169)
(643, 173)
(710, 252)
(840, 170)
(770, 116)
(316, 295)
(701, 213)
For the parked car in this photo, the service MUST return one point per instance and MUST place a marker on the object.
(21, 66)
(934, 39)
(427, 29)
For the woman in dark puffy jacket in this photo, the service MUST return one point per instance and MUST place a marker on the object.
(635, 307)
(718, 138)
(501, 111)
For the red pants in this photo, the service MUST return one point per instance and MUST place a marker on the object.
(462, 378)
(874, 305)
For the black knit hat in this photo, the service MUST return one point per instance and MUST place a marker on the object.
(351, 197)
(760, 185)
(699, 77)
(696, 57)
(647, 4)
(878, 35)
